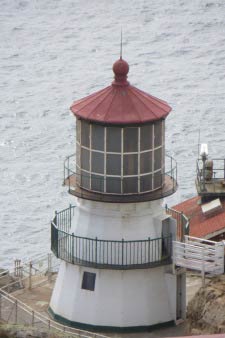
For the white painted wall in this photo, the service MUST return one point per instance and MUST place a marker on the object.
(121, 298)
(114, 221)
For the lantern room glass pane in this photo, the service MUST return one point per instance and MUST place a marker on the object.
(130, 164)
(113, 139)
(85, 134)
(113, 185)
(97, 162)
(97, 137)
(146, 137)
(130, 185)
(97, 183)
(78, 155)
(157, 134)
(130, 140)
(113, 164)
(85, 159)
(146, 183)
(78, 127)
(146, 162)
(158, 159)
(158, 180)
(85, 180)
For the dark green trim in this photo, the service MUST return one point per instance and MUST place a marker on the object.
(99, 328)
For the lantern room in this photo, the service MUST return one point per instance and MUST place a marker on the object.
(120, 144)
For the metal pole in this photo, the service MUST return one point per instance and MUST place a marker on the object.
(32, 322)
(16, 312)
(122, 249)
(203, 268)
(30, 273)
(0, 305)
(49, 267)
(70, 215)
(204, 159)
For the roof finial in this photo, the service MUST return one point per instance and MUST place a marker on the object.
(121, 44)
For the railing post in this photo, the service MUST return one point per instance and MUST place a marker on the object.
(56, 223)
(30, 276)
(182, 226)
(32, 320)
(96, 250)
(203, 268)
(16, 312)
(49, 267)
(70, 215)
(149, 249)
(122, 250)
(73, 247)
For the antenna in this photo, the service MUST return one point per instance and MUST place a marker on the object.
(121, 43)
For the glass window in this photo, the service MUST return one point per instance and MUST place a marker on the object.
(85, 180)
(130, 140)
(113, 143)
(157, 180)
(78, 155)
(78, 126)
(157, 134)
(146, 162)
(97, 183)
(146, 137)
(130, 164)
(88, 282)
(113, 185)
(97, 137)
(146, 183)
(130, 185)
(97, 162)
(158, 159)
(77, 175)
(85, 134)
(113, 164)
(85, 159)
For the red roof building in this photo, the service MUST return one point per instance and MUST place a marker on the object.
(203, 226)
(120, 103)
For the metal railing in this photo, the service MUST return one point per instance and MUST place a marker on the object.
(217, 174)
(183, 222)
(74, 179)
(110, 254)
(13, 311)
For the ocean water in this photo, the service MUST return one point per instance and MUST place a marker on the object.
(54, 52)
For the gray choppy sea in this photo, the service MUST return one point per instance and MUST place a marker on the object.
(53, 52)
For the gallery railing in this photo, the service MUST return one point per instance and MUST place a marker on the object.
(166, 182)
(110, 254)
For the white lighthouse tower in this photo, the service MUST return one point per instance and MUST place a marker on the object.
(115, 244)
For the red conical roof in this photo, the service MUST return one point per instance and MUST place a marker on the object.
(120, 103)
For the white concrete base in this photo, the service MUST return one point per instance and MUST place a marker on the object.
(121, 298)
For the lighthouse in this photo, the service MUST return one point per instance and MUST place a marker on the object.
(115, 242)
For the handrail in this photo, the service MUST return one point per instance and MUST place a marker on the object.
(100, 253)
(48, 323)
(15, 314)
